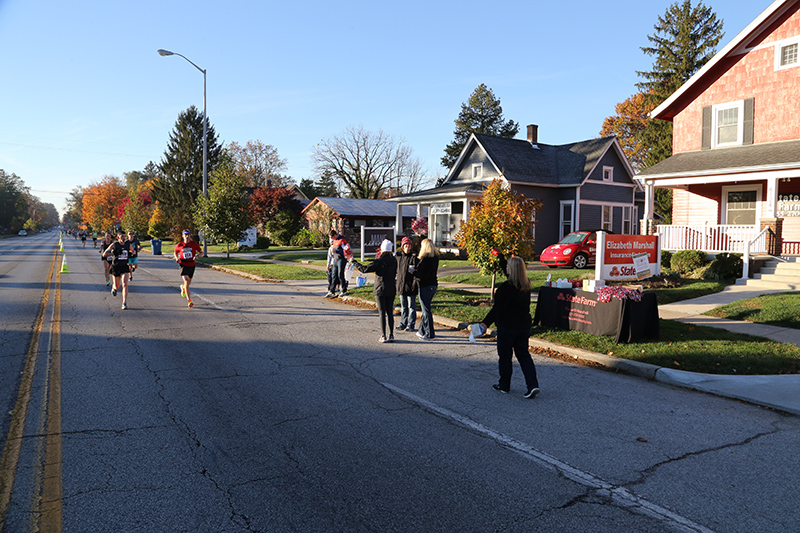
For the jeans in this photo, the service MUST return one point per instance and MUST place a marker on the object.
(426, 322)
(338, 274)
(408, 311)
(516, 340)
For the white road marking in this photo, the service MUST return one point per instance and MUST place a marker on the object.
(620, 495)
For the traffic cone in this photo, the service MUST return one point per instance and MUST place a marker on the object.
(64, 266)
(61, 245)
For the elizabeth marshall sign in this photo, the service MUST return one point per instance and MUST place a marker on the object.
(627, 257)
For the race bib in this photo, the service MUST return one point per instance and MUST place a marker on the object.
(123, 255)
(187, 253)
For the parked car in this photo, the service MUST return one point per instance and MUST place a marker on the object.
(23, 233)
(577, 249)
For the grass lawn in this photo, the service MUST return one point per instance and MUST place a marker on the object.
(682, 346)
(781, 309)
(314, 256)
(265, 270)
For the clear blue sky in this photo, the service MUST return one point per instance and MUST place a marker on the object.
(85, 95)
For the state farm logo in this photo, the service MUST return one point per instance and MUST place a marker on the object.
(622, 271)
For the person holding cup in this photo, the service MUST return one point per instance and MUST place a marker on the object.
(407, 285)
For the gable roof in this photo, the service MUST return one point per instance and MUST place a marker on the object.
(359, 207)
(666, 111)
(565, 165)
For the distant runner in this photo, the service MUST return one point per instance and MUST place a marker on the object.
(135, 246)
(106, 260)
(185, 254)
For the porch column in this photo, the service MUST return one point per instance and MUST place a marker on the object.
(649, 203)
(466, 210)
(775, 235)
(771, 201)
(419, 210)
(398, 220)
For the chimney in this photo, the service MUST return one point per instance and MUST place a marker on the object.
(533, 133)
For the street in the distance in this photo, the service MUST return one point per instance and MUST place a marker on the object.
(266, 408)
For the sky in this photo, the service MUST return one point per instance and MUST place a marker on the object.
(84, 93)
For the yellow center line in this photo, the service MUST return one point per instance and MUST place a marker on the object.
(16, 430)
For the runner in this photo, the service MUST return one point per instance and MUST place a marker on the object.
(106, 260)
(83, 238)
(94, 238)
(119, 250)
(185, 253)
(135, 246)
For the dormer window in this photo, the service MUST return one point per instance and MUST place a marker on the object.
(477, 171)
(786, 53)
(608, 173)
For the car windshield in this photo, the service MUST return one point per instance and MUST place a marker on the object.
(574, 238)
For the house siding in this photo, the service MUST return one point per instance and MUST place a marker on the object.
(474, 156)
(696, 207)
(751, 75)
(607, 193)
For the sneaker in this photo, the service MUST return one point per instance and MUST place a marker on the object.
(113, 292)
(108, 283)
(330, 294)
(343, 293)
(191, 303)
(420, 335)
(497, 387)
(124, 306)
(382, 339)
(183, 292)
(131, 277)
(411, 328)
(531, 394)
(401, 328)
(390, 339)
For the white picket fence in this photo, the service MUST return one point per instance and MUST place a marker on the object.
(712, 238)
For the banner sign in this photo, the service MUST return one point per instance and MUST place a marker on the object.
(249, 237)
(441, 209)
(371, 239)
(627, 257)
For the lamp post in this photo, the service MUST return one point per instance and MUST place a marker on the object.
(163, 52)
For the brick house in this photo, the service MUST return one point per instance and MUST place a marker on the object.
(735, 168)
(582, 185)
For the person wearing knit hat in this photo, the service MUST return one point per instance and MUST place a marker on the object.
(407, 285)
(385, 269)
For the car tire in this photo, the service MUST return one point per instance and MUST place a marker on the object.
(580, 261)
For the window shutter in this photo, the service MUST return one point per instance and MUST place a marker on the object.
(749, 109)
(706, 128)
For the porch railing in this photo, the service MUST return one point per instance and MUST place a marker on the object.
(710, 238)
(756, 246)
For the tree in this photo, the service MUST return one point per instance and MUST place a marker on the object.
(277, 212)
(102, 202)
(137, 211)
(324, 186)
(366, 163)
(686, 38)
(627, 125)
(13, 201)
(74, 214)
(502, 221)
(259, 164)
(482, 113)
(223, 214)
(181, 169)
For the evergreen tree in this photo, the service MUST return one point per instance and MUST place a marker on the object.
(686, 38)
(482, 113)
(181, 179)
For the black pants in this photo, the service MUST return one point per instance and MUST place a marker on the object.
(386, 313)
(516, 340)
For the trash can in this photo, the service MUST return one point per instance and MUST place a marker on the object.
(156, 245)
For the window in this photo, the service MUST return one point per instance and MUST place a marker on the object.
(477, 171)
(566, 224)
(606, 222)
(608, 173)
(786, 53)
(728, 125)
(627, 220)
(741, 204)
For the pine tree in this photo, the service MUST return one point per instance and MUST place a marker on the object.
(482, 113)
(181, 179)
(686, 38)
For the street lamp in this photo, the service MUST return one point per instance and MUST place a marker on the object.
(163, 52)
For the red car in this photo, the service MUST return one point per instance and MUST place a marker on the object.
(578, 249)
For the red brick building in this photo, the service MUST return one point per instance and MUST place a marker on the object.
(735, 168)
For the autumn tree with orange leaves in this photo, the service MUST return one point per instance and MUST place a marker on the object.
(102, 203)
(503, 221)
(628, 124)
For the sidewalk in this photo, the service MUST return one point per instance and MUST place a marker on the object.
(780, 392)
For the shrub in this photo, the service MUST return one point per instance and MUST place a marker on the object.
(687, 261)
(302, 238)
(447, 255)
(262, 242)
(666, 258)
(725, 266)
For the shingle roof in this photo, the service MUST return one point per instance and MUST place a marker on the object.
(544, 164)
(357, 207)
(439, 191)
(753, 156)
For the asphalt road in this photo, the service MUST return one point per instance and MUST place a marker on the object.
(268, 409)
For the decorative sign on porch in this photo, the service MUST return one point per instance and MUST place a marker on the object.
(371, 239)
(441, 209)
(788, 205)
(627, 257)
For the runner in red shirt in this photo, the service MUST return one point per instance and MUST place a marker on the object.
(185, 253)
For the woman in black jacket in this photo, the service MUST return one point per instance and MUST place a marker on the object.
(512, 313)
(385, 269)
(426, 273)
